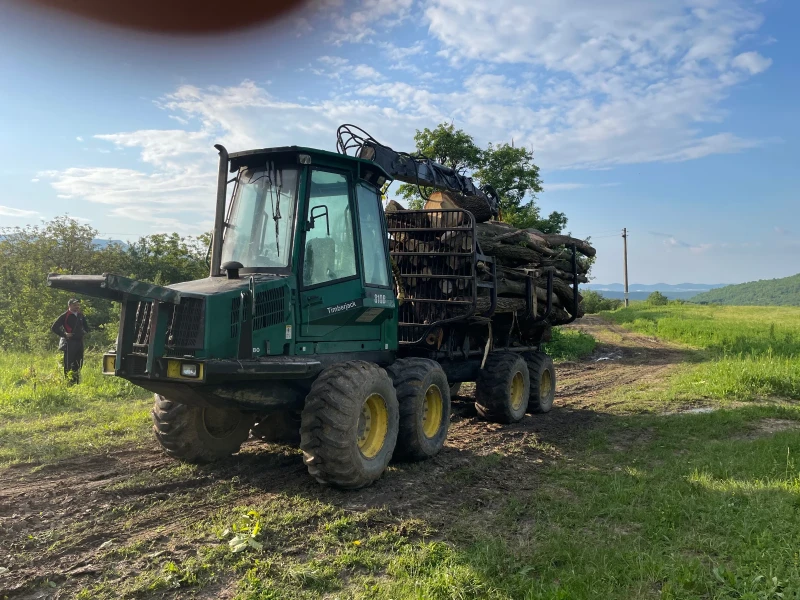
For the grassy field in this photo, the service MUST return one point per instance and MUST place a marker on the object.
(745, 352)
(44, 419)
(601, 498)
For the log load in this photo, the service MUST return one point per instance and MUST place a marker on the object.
(444, 274)
(477, 206)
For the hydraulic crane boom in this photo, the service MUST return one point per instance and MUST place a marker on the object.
(411, 168)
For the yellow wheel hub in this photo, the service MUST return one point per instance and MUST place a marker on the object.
(545, 384)
(432, 411)
(517, 391)
(373, 425)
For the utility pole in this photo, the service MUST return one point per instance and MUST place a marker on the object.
(625, 260)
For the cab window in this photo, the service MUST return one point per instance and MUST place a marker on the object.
(372, 237)
(329, 244)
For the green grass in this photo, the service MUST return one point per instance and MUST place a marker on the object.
(669, 505)
(569, 344)
(658, 506)
(746, 352)
(44, 419)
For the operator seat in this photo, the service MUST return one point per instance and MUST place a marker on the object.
(319, 260)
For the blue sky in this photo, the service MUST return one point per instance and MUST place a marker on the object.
(678, 120)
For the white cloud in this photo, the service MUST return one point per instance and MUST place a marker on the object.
(159, 144)
(365, 72)
(752, 62)
(620, 81)
(8, 211)
(585, 84)
(398, 53)
(79, 138)
(35, 180)
(359, 25)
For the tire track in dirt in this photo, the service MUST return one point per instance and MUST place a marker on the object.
(621, 358)
(134, 496)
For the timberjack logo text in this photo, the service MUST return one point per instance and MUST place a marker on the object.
(341, 307)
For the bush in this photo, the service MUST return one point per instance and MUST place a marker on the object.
(569, 344)
(657, 299)
(594, 302)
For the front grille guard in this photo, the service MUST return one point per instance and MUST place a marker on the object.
(184, 335)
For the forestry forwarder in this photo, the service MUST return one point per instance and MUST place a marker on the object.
(298, 325)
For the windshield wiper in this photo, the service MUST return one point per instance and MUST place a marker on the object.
(275, 203)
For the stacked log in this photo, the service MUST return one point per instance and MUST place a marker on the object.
(518, 254)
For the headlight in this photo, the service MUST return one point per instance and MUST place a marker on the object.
(189, 370)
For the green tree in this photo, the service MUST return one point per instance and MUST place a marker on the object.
(657, 299)
(512, 173)
(594, 302)
(508, 169)
(166, 258)
(28, 254)
(445, 145)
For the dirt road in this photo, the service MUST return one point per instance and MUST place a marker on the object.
(60, 523)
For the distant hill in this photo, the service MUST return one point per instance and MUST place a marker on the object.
(766, 292)
(104, 243)
(640, 291)
(100, 243)
(643, 295)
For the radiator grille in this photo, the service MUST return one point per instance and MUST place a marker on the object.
(270, 308)
(186, 323)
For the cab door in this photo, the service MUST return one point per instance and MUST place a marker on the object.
(331, 284)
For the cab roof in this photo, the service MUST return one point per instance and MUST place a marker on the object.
(284, 154)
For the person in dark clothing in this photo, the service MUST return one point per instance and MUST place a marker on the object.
(71, 327)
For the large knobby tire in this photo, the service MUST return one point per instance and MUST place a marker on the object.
(349, 425)
(198, 434)
(543, 382)
(424, 398)
(503, 387)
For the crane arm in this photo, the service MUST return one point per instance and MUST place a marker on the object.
(411, 168)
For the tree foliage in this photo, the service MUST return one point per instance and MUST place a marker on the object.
(508, 169)
(28, 254)
(594, 302)
(445, 145)
(657, 299)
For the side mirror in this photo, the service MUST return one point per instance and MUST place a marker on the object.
(323, 212)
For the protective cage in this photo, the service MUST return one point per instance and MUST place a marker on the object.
(185, 327)
(436, 257)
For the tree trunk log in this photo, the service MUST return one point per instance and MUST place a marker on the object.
(393, 206)
(477, 206)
